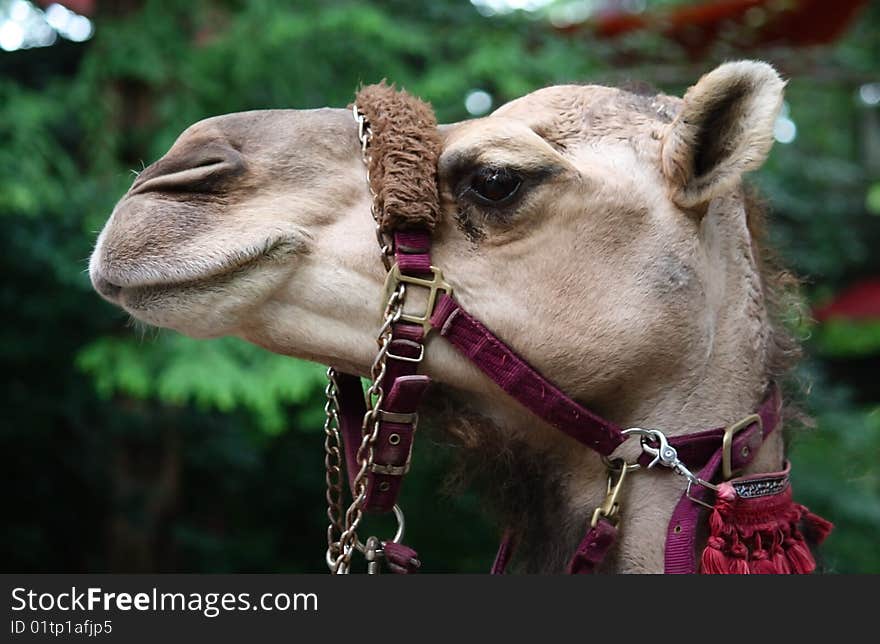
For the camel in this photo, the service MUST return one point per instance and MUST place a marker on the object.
(618, 252)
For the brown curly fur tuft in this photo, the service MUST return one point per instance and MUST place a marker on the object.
(403, 153)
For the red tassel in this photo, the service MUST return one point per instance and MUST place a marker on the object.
(799, 556)
(723, 499)
(740, 526)
(778, 558)
(739, 564)
(759, 563)
(816, 529)
(713, 560)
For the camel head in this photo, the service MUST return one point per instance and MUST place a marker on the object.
(601, 232)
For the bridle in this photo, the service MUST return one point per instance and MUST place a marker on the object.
(369, 434)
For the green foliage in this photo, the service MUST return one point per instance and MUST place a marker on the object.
(840, 337)
(100, 409)
(221, 375)
(836, 475)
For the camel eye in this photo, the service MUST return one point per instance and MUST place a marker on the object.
(495, 186)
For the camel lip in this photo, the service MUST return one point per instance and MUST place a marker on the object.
(123, 289)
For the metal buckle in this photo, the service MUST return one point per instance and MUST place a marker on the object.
(434, 284)
(417, 359)
(390, 470)
(401, 418)
(727, 471)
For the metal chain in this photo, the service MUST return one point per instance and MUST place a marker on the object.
(374, 396)
(333, 466)
(340, 551)
(365, 135)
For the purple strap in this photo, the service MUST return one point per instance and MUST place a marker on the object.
(351, 417)
(521, 381)
(393, 445)
(699, 447)
(404, 389)
(412, 251)
(593, 548)
(401, 559)
(505, 552)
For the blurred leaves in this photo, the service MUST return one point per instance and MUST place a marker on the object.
(222, 375)
(841, 337)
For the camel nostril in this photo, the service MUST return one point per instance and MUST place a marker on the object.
(192, 168)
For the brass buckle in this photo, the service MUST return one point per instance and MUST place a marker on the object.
(416, 360)
(401, 418)
(435, 284)
(390, 470)
(727, 471)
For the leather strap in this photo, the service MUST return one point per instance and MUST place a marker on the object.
(351, 417)
(505, 552)
(593, 548)
(393, 446)
(522, 382)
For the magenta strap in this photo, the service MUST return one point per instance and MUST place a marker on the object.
(519, 380)
(505, 552)
(593, 548)
(351, 417)
(412, 251)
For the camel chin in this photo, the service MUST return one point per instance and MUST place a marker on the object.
(198, 295)
(209, 308)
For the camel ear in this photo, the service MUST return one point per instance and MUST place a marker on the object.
(724, 128)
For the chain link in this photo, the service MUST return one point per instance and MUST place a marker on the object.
(365, 135)
(374, 396)
(333, 466)
(341, 549)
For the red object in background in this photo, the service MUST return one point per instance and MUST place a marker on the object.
(756, 23)
(82, 7)
(861, 301)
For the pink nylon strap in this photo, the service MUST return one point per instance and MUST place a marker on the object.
(393, 444)
(401, 559)
(521, 381)
(593, 548)
(351, 417)
(505, 552)
(412, 251)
